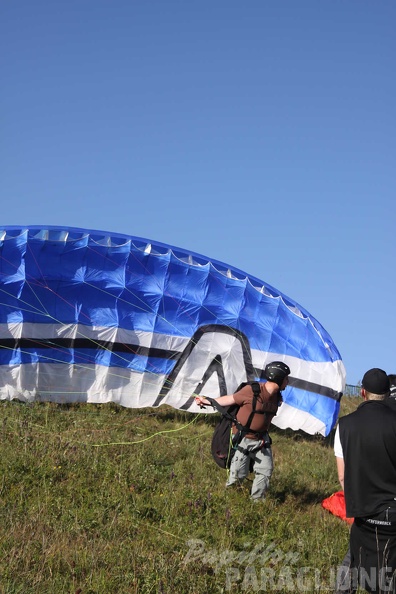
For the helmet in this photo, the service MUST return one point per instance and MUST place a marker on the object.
(276, 372)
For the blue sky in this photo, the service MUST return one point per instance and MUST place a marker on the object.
(261, 134)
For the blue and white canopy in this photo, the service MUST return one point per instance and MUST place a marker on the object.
(89, 316)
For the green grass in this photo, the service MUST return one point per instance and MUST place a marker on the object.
(90, 504)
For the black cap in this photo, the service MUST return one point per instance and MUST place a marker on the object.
(376, 381)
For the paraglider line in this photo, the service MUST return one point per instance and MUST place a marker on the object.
(122, 443)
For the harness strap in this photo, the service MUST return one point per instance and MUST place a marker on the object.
(264, 443)
(242, 429)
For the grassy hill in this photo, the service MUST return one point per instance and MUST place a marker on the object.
(99, 499)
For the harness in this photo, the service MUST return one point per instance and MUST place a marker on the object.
(229, 413)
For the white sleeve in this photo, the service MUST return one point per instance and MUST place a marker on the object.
(337, 444)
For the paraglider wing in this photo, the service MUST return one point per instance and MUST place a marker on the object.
(98, 317)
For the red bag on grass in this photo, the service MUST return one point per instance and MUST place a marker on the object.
(335, 504)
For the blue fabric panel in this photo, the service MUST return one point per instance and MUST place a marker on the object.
(323, 408)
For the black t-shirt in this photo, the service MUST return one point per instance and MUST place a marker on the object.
(368, 440)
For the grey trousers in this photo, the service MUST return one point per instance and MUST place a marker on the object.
(262, 467)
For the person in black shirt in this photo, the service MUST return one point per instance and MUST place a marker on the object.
(365, 449)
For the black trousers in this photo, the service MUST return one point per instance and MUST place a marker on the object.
(373, 552)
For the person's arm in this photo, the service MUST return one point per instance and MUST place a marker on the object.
(340, 470)
(222, 400)
(339, 454)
